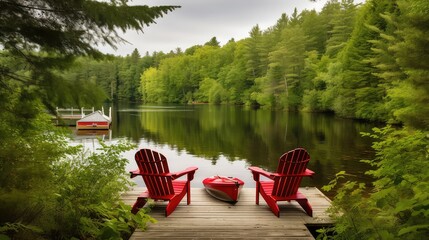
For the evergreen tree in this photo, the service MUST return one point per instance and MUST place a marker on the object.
(253, 64)
(315, 28)
(60, 28)
(411, 53)
(43, 195)
(281, 24)
(358, 91)
(384, 59)
(342, 22)
(213, 42)
(295, 18)
(236, 80)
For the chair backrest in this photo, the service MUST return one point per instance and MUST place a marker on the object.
(151, 164)
(291, 163)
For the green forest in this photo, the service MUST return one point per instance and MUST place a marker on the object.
(367, 61)
(357, 61)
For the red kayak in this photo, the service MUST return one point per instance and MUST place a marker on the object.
(223, 188)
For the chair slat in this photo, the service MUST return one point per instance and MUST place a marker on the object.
(285, 182)
(151, 162)
(153, 168)
(292, 162)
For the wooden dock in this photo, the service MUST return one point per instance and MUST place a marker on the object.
(72, 113)
(209, 218)
(76, 117)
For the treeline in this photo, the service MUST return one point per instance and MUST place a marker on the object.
(360, 61)
(357, 61)
(112, 78)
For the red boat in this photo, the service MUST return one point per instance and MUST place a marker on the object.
(224, 188)
(95, 120)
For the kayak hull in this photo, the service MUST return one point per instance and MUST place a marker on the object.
(223, 188)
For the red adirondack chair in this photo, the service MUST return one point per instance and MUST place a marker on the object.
(160, 183)
(283, 185)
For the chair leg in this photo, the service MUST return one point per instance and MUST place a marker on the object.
(257, 193)
(188, 193)
(172, 204)
(306, 206)
(271, 203)
(141, 201)
(273, 206)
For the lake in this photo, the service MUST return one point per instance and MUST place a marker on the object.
(226, 140)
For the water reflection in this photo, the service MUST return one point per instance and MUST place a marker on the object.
(225, 140)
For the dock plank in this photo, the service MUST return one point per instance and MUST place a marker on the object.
(209, 218)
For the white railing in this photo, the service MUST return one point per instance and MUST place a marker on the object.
(73, 113)
(78, 113)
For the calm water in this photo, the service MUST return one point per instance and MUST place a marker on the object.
(226, 140)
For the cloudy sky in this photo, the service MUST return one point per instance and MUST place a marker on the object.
(197, 21)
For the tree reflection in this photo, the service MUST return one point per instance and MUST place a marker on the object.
(259, 137)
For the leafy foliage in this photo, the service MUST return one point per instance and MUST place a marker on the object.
(47, 187)
(88, 190)
(365, 61)
(46, 35)
(397, 207)
(28, 147)
(51, 190)
(411, 54)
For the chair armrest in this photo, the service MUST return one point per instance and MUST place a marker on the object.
(256, 171)
(307, 173)
(190, 171)
(137, 173)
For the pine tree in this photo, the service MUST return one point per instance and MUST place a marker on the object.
(342, 25)
(46, 35)
(411, 54)
(359, 93)
(213, 42)
(253, 65)
(384, 60)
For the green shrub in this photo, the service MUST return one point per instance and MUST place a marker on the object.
(397, 205)
(88, 197)
(50, 190)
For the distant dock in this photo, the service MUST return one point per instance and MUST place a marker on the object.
(72, 113)
(209, 218)
(83, 118)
